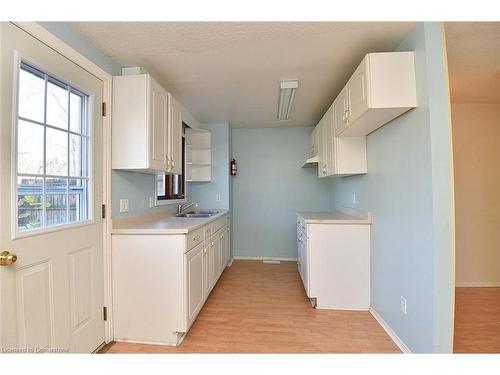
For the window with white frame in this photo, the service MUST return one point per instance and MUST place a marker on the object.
(52, 152)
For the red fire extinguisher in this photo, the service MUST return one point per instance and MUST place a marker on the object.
(234, 167)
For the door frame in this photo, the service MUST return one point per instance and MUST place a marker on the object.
(46, 37)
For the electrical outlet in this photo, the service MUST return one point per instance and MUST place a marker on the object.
(123, 205)
(217, 197)
(403, 305)
(151, 202)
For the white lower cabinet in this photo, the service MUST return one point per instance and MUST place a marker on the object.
(161, 281)
(195, 259)
(334, 264)
(214, 259)
(207, 287)
(302, 258)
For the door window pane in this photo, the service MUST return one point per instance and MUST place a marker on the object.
(29, 203)
(57, 152)
(77, 200)
(77, 157)
(31, 95)
(57, 106)
(76, 113)
(56, 201)
(52, 149)
(29, 148)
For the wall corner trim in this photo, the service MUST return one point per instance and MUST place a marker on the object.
(400, 343)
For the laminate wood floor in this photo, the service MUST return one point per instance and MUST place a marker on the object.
(477, 320)
(263, 308)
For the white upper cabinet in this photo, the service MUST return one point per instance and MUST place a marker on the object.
(313, 145)
(326, 155)
(339, 156)
(382, 88)
(174, 138)
(158, 136)
(340, 106)
(147, 126)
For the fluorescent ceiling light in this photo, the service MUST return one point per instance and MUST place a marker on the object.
(287, 92)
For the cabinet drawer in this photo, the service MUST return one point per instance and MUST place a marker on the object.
(218, 224)
(194, 238)
(207, 230)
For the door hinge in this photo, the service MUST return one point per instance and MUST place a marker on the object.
(105, 313)
(103, 211)
(103, 109)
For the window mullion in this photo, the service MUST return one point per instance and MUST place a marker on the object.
(44, 179)
(68, 155)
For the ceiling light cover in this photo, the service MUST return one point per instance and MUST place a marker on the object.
(287, 93)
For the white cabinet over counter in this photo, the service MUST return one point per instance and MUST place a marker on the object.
(163, 272)
(381, 88)
(147, 126)
(334, 258)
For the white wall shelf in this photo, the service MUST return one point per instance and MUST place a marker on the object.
(198, 155)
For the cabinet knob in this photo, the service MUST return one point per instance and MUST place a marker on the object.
(173, 163)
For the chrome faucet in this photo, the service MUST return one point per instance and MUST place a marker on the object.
(183, 206)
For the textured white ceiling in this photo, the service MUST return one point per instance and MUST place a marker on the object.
(474, 61)
(230, 71)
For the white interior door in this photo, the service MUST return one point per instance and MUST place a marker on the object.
(51, 298)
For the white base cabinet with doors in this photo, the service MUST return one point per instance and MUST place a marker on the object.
(147, 126)
(161, 281)
(334, 259)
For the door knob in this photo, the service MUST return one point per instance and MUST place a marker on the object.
(6, 258)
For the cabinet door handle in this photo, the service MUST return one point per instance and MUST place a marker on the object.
(173, 163)
(205, 250)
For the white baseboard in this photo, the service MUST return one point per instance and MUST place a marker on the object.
(477, 284)
(342, 308)
(282, 259)
(149, 342)
(400, 343)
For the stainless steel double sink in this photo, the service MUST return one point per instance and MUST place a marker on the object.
(195, 214)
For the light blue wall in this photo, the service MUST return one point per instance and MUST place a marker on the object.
(136, 187)
(442, 186)
(70, 35)
(408, 190)
(204, 192)
(270, 188)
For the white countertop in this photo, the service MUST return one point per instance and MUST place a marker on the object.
(345, 216)
(161, 224)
